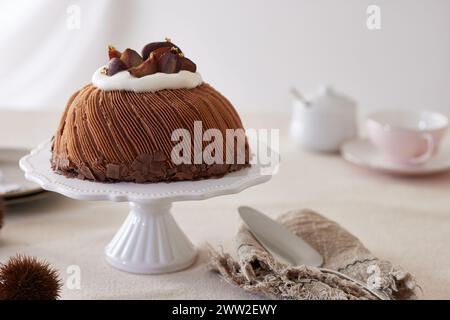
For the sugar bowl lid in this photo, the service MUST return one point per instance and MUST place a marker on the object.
(327, 98)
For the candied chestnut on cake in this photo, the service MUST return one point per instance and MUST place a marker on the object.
(124, 125)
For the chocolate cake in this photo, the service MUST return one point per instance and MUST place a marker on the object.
(120, 127)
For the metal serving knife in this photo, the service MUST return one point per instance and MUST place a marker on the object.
(287, 247)
(278, 240)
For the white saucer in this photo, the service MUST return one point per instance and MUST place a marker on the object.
(364, 154)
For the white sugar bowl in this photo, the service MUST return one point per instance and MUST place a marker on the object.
(324, 120)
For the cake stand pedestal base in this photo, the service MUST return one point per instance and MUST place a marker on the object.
(150, 241)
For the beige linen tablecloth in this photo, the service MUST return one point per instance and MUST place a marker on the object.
(404, 220)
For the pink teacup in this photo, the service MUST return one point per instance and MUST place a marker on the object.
(407, 136)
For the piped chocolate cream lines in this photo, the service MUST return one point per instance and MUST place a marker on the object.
(125, 135)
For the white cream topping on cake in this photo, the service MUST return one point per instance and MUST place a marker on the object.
(154, 82)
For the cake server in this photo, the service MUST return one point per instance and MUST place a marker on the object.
(279, 240)
(289, 248)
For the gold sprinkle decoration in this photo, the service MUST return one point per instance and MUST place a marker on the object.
(181, 54)
(174, 49)
(104, 70)
(168, 39)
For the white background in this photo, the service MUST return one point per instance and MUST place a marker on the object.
(252, 51)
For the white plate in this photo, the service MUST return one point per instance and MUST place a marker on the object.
(11, 201)
(11, 174)
(363, 153)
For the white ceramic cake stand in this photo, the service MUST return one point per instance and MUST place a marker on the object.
(149, 241)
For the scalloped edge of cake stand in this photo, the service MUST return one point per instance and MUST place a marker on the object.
(149, 241)
(36, 166)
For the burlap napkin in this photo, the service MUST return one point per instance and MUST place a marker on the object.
(349, 270)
